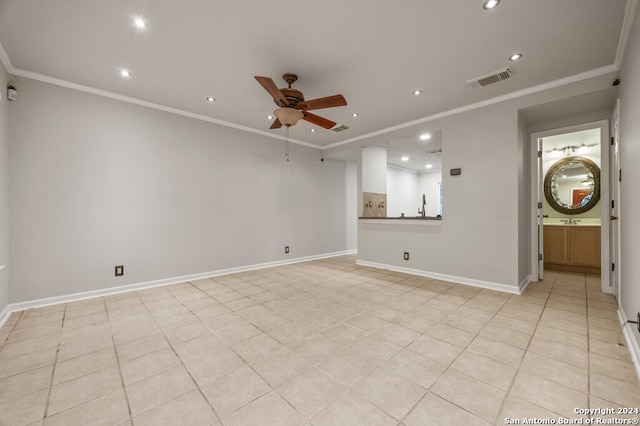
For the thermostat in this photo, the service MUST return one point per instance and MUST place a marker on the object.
(456, 172)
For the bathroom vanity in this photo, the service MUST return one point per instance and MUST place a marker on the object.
(572, 239)
(572, 247)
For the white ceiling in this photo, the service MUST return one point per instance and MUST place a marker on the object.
(374, 53)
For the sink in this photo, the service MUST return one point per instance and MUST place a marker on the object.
(587, 221)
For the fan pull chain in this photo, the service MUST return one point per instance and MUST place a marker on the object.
(286, 154)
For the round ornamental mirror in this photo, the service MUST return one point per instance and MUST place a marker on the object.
(572, 185)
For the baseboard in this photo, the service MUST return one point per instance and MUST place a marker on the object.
(632, 343)
(4, 315)
(452, 278)
(74, 297)
(524, 284)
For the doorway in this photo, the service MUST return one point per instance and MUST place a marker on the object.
(563, 172)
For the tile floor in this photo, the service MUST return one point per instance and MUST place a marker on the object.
(318, 343)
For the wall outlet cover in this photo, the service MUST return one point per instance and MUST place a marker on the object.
(406, 255)
(119, 270)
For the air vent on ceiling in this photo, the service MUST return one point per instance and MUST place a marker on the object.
(436, 153)
(339, 128)
(492, 77)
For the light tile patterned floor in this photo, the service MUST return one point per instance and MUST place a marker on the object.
(318, 343)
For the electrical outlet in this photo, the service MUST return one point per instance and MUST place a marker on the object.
(119, 270)
(286, 249)
(406, 255)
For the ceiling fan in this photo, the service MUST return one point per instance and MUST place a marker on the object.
(293, 107)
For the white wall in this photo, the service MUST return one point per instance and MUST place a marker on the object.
(351, 201)
(98, 183)
(4, 192)
(374, 166)
(428, 185)
(402, 192)
(405, 189)
(630, 158)
(478, 236)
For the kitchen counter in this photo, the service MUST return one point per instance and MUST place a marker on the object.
(406, 220)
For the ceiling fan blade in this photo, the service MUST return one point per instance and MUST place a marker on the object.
(276, 124)
(327, 102)
(317, 120)
(273, 90)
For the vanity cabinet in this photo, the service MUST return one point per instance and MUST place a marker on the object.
(575, 246)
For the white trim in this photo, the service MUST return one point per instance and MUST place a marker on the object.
(632, 344)
(452, 278)
(87, 89)
(14, 307)
(509, 96)
(627, 24)
(4, 315)
(4, 58)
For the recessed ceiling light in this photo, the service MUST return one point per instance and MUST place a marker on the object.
(211, 99)
(312, 130)
(405, 158)
(140, 23)
(428, 166)
(425, 136)
(355, 114)
(515, 56)
(269, 117)
(417, 92)
(490, 4)
(124, 73)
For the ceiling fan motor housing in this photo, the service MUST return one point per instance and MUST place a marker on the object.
(293, 95)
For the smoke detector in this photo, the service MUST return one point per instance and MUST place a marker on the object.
(490, 78)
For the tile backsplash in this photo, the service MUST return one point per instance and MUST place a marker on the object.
(374, 204)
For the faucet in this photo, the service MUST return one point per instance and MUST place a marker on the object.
(570, 221)
(424, 203)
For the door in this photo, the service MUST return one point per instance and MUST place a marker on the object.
(614, 235)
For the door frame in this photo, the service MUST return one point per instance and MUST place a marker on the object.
(605, 199)
(614, 182)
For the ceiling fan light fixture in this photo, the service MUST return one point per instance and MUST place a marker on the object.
(288, 116)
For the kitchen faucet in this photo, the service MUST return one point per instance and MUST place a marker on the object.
(424, 203)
